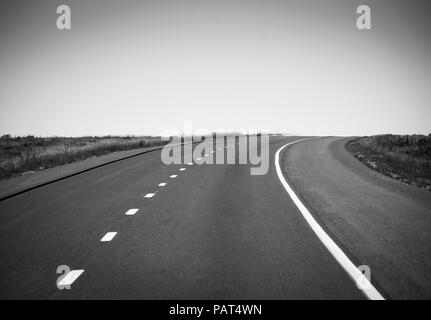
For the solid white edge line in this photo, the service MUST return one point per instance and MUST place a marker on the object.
(367, 288)
(70, 277)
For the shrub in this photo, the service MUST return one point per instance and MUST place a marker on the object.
(21, 154)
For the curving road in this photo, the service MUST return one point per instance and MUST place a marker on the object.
(378, 221)
(212, 232)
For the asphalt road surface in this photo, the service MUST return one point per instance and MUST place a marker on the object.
(212, 232)
(378, 221)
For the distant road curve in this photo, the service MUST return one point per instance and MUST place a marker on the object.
(376, 220)
(363, 283)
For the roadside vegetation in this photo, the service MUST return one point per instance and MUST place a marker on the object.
(406, 158)
(24, 155)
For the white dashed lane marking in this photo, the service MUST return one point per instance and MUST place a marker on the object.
(70, 277)
(108, 236)
(131, 212)
(74, 274)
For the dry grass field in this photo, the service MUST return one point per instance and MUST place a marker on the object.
(403, 157)
(23, 155)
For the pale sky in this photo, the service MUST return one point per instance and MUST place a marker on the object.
(143, 67)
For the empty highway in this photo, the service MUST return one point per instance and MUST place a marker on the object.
(140, 229)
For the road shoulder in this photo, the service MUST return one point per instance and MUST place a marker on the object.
(28, 181)
(378, 222)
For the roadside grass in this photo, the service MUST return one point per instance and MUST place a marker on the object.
(406, 158)
(23, 155)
